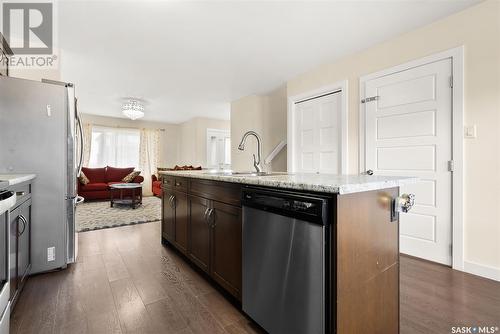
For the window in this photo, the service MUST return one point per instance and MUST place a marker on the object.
(114, 147)
(218, 149)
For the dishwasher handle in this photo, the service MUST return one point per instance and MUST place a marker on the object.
(311, 208)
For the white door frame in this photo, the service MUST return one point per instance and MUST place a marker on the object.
(339, 86)
(456, 56)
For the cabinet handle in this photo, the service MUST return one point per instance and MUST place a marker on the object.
(25, 222)
(177, 184)
(211, 218)
(20, 193)
(205, 215)
(171, 201)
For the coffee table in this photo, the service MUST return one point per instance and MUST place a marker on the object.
(132, 198)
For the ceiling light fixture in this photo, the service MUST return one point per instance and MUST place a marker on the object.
(133, 109)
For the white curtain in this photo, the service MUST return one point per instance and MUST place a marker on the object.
(87, 140)
(149, 155)
(116, 147)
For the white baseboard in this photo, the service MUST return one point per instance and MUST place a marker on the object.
(482, 270)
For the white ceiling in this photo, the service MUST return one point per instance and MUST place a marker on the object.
(192, 59)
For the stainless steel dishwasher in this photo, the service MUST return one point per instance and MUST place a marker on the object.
(285, 267)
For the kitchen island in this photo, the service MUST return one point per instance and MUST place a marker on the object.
(206, 216)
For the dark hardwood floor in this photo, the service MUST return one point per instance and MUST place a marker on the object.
(126, 282)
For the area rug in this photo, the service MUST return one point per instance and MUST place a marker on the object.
(98, 215)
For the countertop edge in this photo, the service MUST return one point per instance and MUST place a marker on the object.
(14, 179)
(271, 181)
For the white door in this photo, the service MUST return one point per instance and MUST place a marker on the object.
(218, 149)
(409, 132)
(317, 135)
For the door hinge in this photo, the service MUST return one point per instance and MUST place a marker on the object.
(451, 165)
(451, 81)
(370, 99)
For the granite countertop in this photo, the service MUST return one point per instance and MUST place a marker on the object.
(7, 180)
(327, 183)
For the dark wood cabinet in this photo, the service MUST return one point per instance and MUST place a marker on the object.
(168, 216)
(367, 245)
(175, 218)
(180, 203)
(199, 232)
(226, 247)
(205, 218)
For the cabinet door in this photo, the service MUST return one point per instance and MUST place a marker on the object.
(226, 247)
(168, 215)
(199, 232)
(181, 221)
(14, 218)
(24, 244)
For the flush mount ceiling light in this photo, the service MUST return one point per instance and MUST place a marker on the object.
(133, 109)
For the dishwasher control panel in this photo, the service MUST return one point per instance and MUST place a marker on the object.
(297, 205)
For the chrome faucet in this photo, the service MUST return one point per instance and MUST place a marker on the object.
(241, 147)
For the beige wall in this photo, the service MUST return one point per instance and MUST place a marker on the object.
(168, 138)
(478, 30)
(193, 139)
(265, 115)
(246, 114)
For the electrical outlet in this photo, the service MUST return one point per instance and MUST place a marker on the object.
(51, 254)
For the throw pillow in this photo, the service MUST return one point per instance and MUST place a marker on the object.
(83, 179)
(130, 177)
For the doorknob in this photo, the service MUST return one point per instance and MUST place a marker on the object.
(369, 172)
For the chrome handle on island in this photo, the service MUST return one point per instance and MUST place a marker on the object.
(405, 202)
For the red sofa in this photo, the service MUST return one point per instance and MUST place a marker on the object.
(100, 179)
(156, 186)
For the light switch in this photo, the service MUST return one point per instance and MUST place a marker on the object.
(49, 110)
(470, 131)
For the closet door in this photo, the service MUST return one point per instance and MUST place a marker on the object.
(317, 135)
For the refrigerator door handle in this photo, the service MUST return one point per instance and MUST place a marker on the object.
(82, 140)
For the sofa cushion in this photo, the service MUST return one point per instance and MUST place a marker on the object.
(98, 186)
(95, 175)
(83, 179)
(117, 174)
(130, 177)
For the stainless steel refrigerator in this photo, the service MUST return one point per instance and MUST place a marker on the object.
(38, 134)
